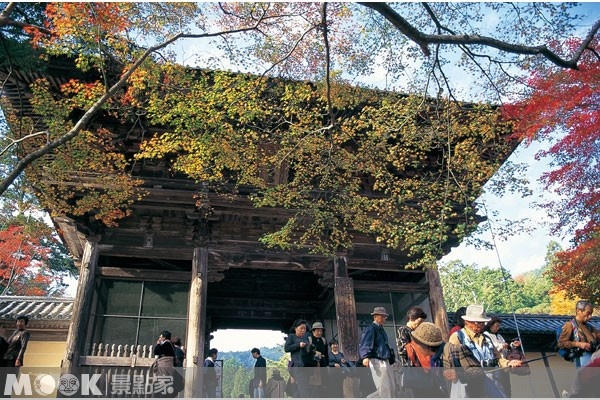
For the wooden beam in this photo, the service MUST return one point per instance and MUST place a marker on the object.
(167, 253)
(81, 306)
(378, 286)
(145, 274)
(196, 327)
(436, 301)
(345, 309)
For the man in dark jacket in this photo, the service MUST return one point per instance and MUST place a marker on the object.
(260, 375)
(376, 354)
(210, 374)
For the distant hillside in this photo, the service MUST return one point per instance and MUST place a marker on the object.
(239, 366)
(273, 354)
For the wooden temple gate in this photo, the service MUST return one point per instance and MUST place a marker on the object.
(242, 303)
(173, 265)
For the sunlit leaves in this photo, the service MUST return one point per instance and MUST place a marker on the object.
(397, 168)
(86, 176)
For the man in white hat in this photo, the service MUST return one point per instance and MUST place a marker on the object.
(376, 354)
(481, 346)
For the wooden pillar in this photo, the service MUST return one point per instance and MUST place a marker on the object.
(345, 309)
(81, 306)
(196, 324)
(436, 301)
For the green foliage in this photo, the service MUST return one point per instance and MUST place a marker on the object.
(470, 284)
(530, 292)
(239, 368)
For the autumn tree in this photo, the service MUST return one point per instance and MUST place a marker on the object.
(31, 264)
(34, 261)
(126, 47)
(563, 107)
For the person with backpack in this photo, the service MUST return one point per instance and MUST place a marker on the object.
(414, 317)
(480, 345)
(578, 339)
(275, 386)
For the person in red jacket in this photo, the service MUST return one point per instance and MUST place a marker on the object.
(586, 379)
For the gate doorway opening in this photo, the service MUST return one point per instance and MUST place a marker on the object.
(227, 340)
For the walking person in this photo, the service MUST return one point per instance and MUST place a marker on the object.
(179, 352)
(414, 317)
(12, 360)
(164, 367)
(339, 370)
(210, 374)
(260, 374)
(17, 344)
(375, 353)
(275, 386)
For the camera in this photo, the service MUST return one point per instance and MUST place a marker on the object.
(489, 363)
(573, 353)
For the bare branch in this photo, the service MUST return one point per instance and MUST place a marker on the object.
(424, 40)
(14, 142)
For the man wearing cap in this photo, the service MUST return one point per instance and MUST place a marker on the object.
(481, 346)
(376, 354)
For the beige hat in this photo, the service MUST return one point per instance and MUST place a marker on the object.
(475, 313)
(428, 334)
(317, 325)
(380, 311)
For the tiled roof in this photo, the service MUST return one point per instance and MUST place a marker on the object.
(533, 323)
(36, 308)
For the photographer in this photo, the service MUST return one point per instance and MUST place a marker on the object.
(579, 337)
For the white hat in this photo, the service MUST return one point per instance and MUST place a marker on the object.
(475, 313)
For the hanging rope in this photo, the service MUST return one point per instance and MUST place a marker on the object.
(505, 282)
(505, 276)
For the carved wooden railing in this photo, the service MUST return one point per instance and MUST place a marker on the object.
(120, 366)
(118, 355)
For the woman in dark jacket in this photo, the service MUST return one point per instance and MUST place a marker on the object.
(297, 344)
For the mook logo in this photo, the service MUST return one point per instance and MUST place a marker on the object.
(45, 385)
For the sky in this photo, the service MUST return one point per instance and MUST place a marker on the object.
(523, 252)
